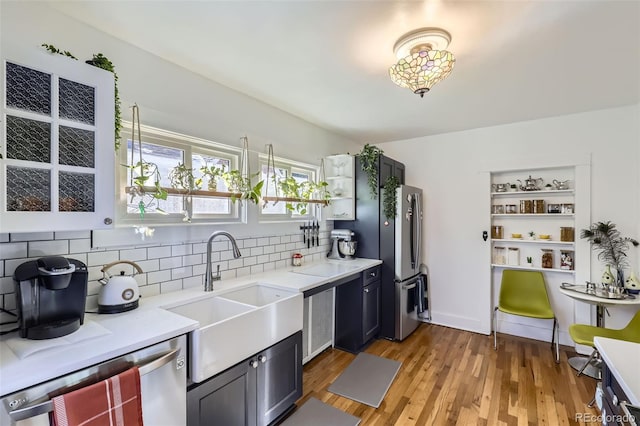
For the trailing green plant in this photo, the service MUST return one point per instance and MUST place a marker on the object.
(51, 48)
(369, 164)
(611, 246)
(99, 61)
(305, 190)
(212, 173)
(144, 175)
(389, 200)
(182, 177)
(241, 186)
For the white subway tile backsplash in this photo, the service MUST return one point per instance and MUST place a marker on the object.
(170, 262)
(32, 236)
(158, 252)
(102, 257)
(72, 235)
(178, 273)
(170, 286)
(13, 250)
(150, 290)
(158, 276)
(181, 250)
(165, 268)
(134, 254)
(48, 248)
(80, 245)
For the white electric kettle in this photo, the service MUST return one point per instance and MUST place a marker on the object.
(119, 293)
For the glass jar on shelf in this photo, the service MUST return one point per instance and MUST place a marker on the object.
(499, 257)
(547, 258)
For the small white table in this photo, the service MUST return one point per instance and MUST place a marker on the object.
(580, 292)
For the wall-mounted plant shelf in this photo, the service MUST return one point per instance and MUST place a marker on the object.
(295, 200)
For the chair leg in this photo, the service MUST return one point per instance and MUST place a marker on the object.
(593, 354)
(555, 337)
(593, 400)
(495, 330)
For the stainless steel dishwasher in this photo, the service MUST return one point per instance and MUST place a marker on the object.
(163, 381)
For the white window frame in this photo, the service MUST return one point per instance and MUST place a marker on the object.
(313, 209)
(189, 145)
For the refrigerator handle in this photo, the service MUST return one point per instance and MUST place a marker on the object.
(418, 219)
(412, 230)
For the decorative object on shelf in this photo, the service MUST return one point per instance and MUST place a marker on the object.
(632, 284)
(511, 209)
(548, 187)
(567, 233)
(532, 235)
(516, 236)
(611, 246)
(500, 187)
(422, 60)
(389, 197)
(530, 184)
(513, 257)
(547, 258)
(530, 261)
(497, 209)
(526, 206)
(553, 208)
(566, 260)
(567, 208)
(99, 61)
(561, 185)
(544, 236)
(499, 257)
(538, 206)
(369, 163)
(497, 232)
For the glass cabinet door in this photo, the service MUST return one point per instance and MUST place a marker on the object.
(57, 158)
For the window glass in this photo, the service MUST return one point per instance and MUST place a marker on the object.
(209, 205)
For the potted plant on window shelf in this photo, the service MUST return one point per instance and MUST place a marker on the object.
(212, 174)
(298, 195)
(612, 249)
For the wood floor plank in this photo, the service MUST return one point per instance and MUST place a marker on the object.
(451, 377)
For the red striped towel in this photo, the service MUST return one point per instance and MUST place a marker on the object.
(115, 401)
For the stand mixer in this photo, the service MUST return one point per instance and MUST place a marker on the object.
(343, 245)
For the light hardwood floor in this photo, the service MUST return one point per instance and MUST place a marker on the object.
(454, 377)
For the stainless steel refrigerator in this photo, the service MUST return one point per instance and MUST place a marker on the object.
(410, 281)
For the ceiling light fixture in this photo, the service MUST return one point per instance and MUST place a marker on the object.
(422, 60)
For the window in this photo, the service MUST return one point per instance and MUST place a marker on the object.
(284, 168)
(163, 151)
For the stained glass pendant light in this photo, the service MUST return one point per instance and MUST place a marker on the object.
(422, 60)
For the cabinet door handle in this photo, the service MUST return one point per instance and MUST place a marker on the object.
(366, 290)
(253, 363)
(372, 274)
(262, 359)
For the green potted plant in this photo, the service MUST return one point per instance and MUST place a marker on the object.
(369, 164)
(146, 176)
(611, 247)
(532, 235)
(529, 261)
(241, 187)
(305, 191)
(212, 174)
(389, 200)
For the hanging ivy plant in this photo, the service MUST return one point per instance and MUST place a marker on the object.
(99, 61)
(369, 164)
(389, 193)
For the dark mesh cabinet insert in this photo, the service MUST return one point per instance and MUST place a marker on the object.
(28, 89)
(76, 146)
(28, 189)
(77, 101)
(28, 140)
(77, 192)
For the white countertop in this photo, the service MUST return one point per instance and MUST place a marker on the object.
(622, 358)
(149, 324)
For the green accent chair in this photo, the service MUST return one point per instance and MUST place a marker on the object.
(524, 293)
(583, 334)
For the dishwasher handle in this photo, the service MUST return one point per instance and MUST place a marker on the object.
(47, 406)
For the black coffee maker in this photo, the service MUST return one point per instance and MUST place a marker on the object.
(51, 294)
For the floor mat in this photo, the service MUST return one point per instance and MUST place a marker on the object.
(367, 379)
(316, 413)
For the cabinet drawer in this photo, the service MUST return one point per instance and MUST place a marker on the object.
(370, 275)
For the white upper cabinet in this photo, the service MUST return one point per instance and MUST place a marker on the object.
(57, 144)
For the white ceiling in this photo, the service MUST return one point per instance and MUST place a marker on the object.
(326, 61)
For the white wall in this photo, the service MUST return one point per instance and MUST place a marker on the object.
(448, 167)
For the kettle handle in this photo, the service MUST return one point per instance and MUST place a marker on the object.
(109, 265)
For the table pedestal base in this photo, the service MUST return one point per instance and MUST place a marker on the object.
(593, 370)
